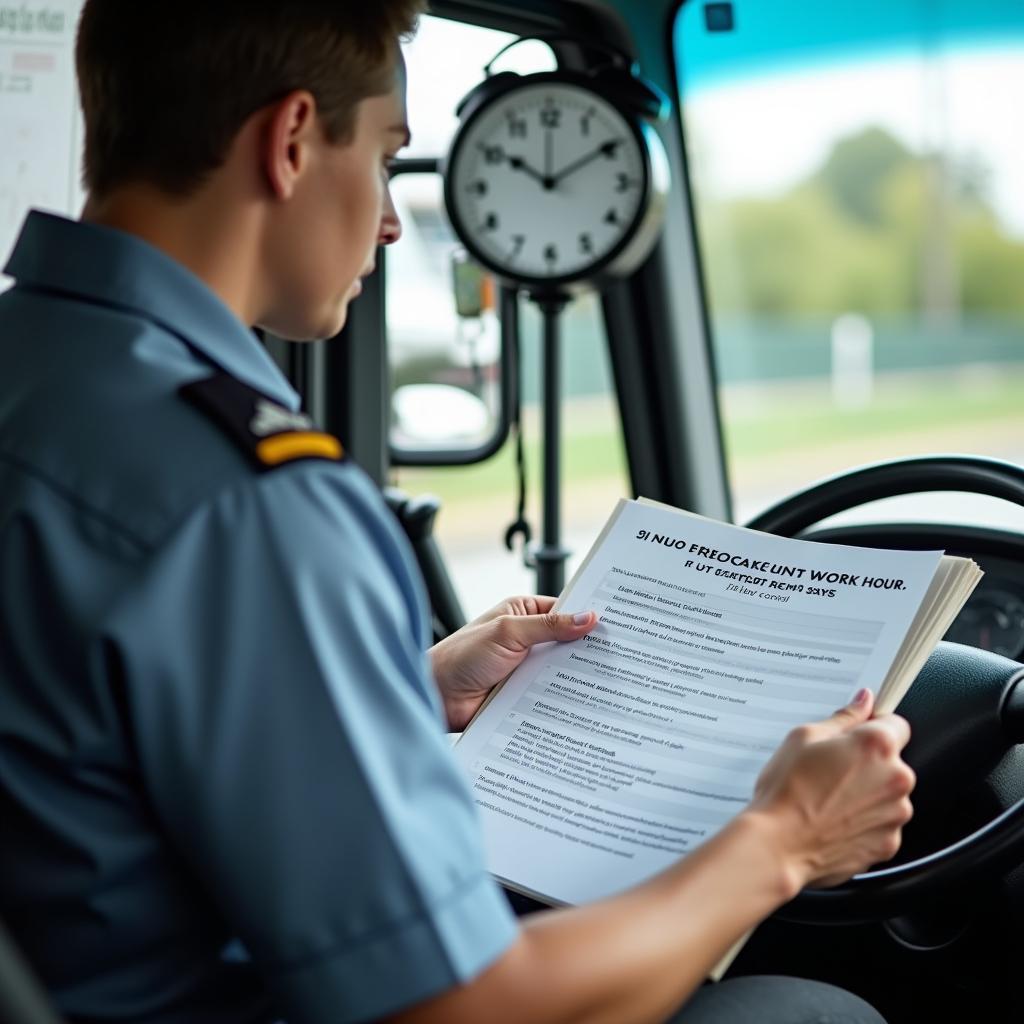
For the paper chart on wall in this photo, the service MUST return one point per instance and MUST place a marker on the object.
(40, 122)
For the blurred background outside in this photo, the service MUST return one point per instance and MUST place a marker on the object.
(860, 217)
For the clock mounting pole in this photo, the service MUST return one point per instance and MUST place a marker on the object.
(550, 556)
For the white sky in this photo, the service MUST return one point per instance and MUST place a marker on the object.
(759, 136)
(444, 61)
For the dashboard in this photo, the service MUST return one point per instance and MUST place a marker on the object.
(993, 617)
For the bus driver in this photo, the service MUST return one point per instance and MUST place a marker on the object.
(218, 716)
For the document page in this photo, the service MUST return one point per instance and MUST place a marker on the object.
(602, 761)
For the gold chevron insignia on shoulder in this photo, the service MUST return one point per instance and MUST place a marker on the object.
(269, 434)
(298, 444)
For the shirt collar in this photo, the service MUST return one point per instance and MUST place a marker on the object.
(113, 267)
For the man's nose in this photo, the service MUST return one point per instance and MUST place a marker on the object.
(390, 223)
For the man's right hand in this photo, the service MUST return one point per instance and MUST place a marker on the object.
(836, 794)
(831, 802)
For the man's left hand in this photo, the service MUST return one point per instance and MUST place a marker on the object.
(472, 661)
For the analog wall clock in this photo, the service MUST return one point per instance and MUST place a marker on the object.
(553, 182)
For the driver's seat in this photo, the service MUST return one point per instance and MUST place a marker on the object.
(22, 999)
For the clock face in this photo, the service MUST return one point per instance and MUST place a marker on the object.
(547, 182)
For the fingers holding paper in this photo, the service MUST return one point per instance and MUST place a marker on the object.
(468, 664)
(837, 793)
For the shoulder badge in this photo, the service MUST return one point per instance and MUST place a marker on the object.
(268, 433)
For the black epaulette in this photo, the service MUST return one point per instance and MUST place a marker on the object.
(268, 433)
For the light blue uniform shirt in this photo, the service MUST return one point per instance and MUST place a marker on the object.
(216, 714)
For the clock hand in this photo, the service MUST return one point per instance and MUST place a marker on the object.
(549, 154)
(605, 149)
(495, 154)
(517, 163)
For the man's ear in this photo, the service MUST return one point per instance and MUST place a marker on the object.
(289, 131)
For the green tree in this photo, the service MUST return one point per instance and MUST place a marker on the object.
(877, 229)
(855, 172)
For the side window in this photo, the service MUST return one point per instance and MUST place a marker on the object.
(856, 177)
(429, 344)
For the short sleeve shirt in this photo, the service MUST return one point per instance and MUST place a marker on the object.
(225, 789)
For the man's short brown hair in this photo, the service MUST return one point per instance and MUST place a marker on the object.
(166, 86)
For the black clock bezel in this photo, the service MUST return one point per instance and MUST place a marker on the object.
(622, 257)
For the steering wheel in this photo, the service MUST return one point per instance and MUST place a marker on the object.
(966, 706)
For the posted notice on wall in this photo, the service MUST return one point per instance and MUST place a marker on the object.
(40, 121)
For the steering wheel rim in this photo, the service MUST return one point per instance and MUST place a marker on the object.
(974, 474)
(889, 891)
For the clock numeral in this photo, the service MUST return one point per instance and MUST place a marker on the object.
(478, 187)
(623, 182)
(516, 126)
(493, 154)
(518, 241)
(491, 222)
(550, 117)
(551, 253)
(612, 216)
(611, 148)
(585, 121)
(586, 244)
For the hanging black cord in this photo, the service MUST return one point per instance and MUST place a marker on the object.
(520, 526)
(510, 336)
